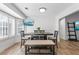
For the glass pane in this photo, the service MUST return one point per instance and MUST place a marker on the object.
(1, 31)
(5, 18)
(1, 24)
(1, 27)
(4, 30)
(77, 25)
(5, 25)
(30, 29)
(20, 26)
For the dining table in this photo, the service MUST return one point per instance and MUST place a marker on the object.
(45, 34)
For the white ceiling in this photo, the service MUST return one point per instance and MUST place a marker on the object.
(9, 11)
(53, 9)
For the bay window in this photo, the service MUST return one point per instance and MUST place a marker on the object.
(7, 25)
(3, 26)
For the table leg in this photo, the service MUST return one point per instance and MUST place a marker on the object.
(21, 42)
(45, 37)
(24, 42)
(26, 50)
(53, 49)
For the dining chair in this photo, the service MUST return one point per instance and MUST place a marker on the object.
(24, 38)
(35, 37)
(54, 38)
(42, 37)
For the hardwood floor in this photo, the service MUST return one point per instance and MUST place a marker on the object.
(65, 48)
(68, 48)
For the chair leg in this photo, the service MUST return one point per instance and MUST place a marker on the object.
(21, 44)
(56, 43)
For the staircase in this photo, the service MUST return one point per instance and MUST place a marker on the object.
(72, 31)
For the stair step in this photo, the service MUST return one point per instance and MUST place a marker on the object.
(72, 31)
(71, 39)
(71, 26)
(72, 35)
(71, 23)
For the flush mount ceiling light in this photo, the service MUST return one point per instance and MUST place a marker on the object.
(42, 9)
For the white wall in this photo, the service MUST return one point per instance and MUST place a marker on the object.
(62, 29)
(69, 10)
(46, 23)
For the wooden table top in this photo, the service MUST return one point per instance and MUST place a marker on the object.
(39, 42)
(38, 34)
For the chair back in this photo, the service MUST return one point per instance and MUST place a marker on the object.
(37, 31)
(22, 33)
(35, 37)
(56, 34)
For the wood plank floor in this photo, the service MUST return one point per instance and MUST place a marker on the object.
(68, 48)
(65, 48)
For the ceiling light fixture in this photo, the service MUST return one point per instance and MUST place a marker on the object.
(42, 9)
